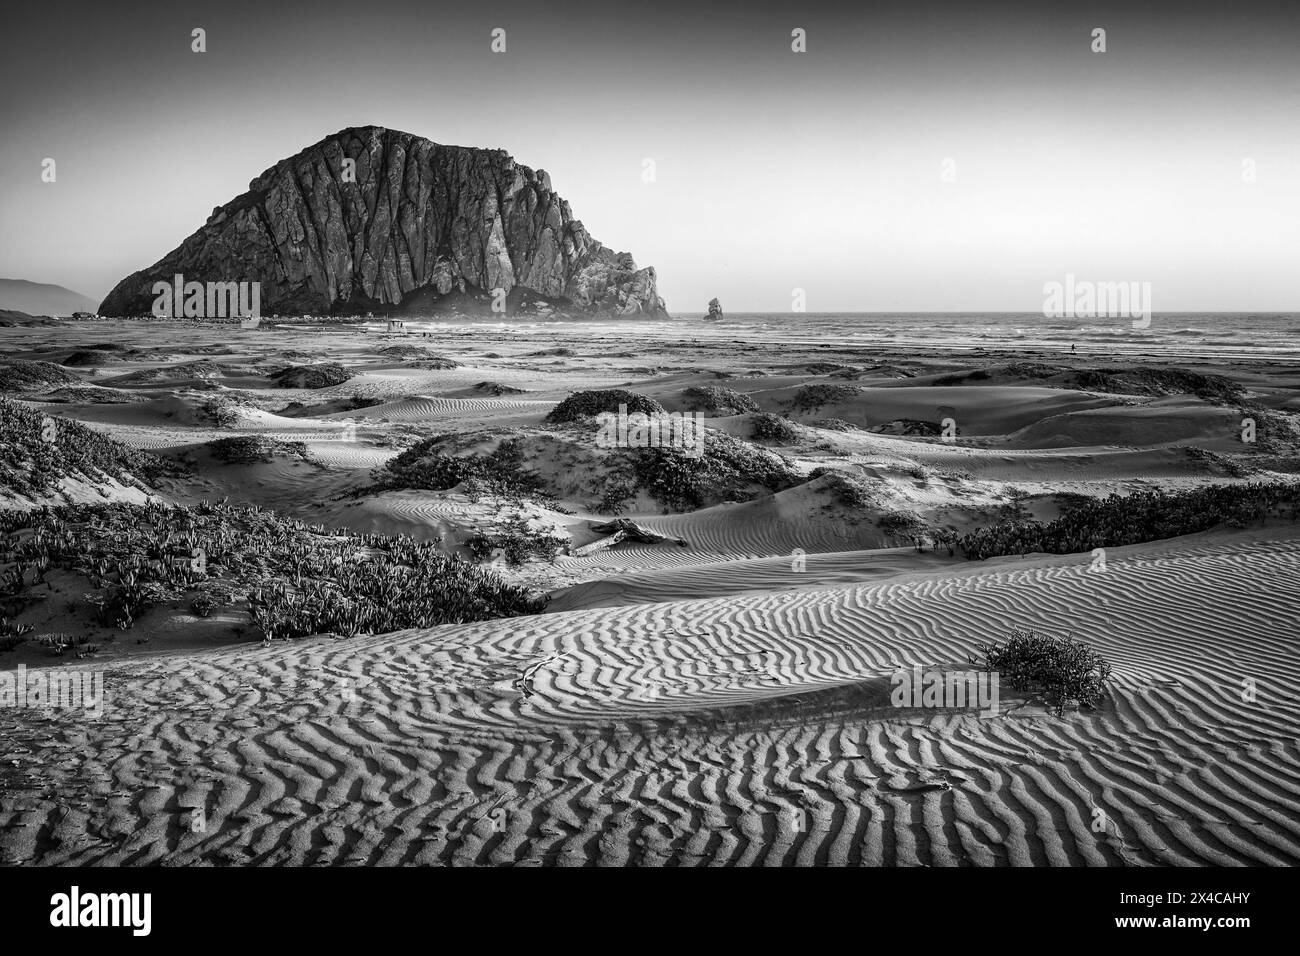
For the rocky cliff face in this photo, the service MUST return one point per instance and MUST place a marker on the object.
(422, 227)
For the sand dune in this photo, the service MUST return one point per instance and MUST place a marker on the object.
(421, 515)
(978, 410)
(420, 408)
(1008, 462)
(763, 736)
(686, 580)
(725, 701)
(1161, 422)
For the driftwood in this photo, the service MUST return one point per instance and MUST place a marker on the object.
(625, 529)
(600, 544)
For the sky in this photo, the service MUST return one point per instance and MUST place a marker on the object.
(917, 157)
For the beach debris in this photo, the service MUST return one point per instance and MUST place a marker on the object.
(600, 544)
(524, 682)
(623, 529)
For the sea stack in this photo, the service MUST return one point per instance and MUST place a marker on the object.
(715, 310)
(377, 220)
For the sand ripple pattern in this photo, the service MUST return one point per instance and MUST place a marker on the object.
(472, 410)
(727, 732)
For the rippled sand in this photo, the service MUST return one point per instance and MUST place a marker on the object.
(714, 703)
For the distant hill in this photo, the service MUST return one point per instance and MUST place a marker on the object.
(37, 298)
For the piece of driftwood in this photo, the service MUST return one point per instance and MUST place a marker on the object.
(600, 544)
(634, 532)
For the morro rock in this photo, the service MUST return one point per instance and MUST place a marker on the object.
(376, 220)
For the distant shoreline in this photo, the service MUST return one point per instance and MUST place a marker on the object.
(1255, 338)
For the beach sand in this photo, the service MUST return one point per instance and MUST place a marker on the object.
(721, 701)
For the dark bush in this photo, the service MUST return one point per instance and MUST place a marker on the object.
(30, 465)
(715, 398)
(846, 489)
(299, 579)
(835, 425)
(1120, 520)
(727, 470)
(321, 375)
(1063, 670)
(900, 524)
(769, 427)
(1158, 381)
(812, 397)
(86, 357)
(21, 376)
(1032, 370)
(589, 403)
(253, 449)
(908, 427)
(219, 411)
(615, 494)
(497, 388)
(425, 466)
(517, 542)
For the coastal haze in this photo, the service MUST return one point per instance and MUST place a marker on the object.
(906, 476)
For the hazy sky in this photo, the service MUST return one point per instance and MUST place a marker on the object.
(774, 170)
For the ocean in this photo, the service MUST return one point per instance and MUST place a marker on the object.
(1223, 335)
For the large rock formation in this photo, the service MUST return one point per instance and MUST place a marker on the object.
(423, 227)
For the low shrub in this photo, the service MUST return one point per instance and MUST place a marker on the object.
(1158, 381)
(425, 466)
(835, 425)
(517, 542)
(219, 412)
(812, 397)
(299, 579)
(775, 428)
(715, 398)
(594, 402)
(615, 495)
(898, 524)
(847, 489)
(253, 449)
(727, 470)
(1062, 669)
(1120, 520)
(32, 465)
(23, 376)
(320, 375)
